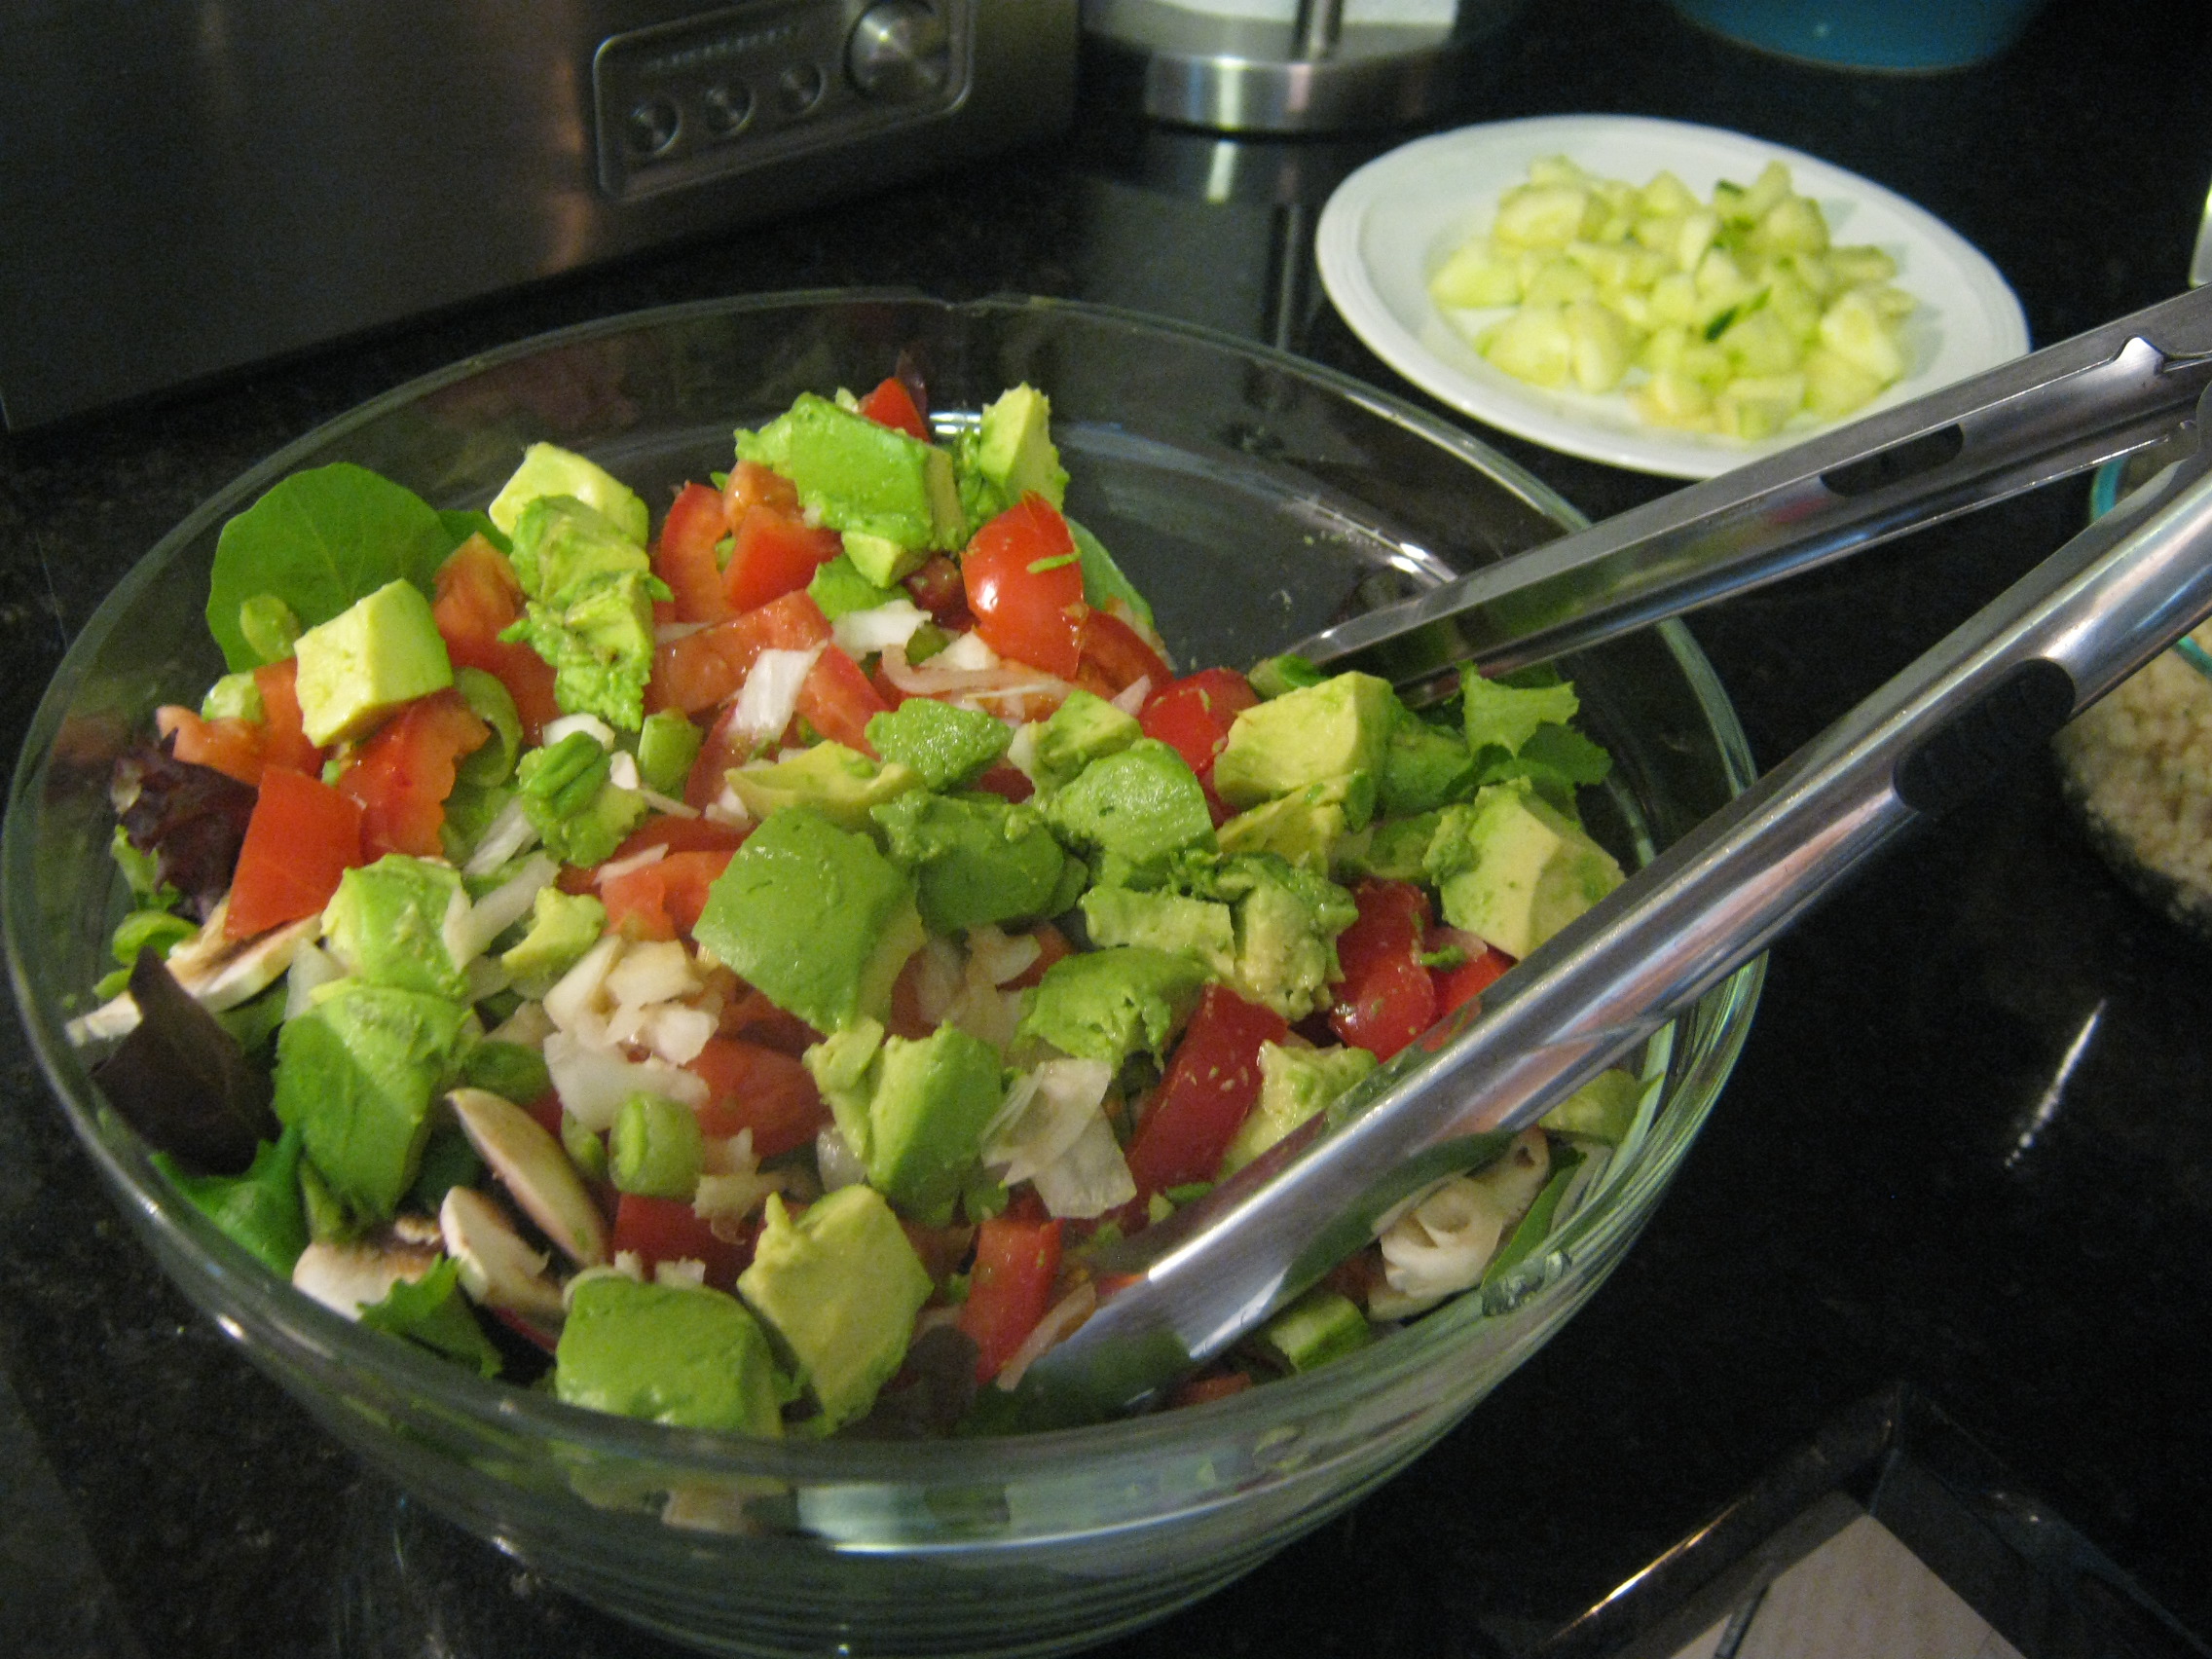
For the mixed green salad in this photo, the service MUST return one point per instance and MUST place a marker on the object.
(734, 963)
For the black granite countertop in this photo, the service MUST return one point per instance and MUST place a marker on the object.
(1969, 1145)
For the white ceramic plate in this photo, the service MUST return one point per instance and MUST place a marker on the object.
(1394, 221)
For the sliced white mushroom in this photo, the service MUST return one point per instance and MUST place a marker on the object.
(216, 972)
(496, 1267)
(351, 1277)
(530, 1165)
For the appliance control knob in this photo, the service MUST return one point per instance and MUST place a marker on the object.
(900, 50)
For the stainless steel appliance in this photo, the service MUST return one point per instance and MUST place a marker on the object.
(189, 186)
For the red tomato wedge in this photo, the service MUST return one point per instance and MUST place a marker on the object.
(892, 404)
(680, 835)
(662, 899)
(752, 485)
(751, 1085)
(700, 669)
(1119, 656)
(303, 836)
(1010, 1287)
(405, 771)
(938, 589)
(1193, 714)
(283, 733)
(230, 745)
(684, 556)
(669, 1230)
(1026, 587)
(1210, 1087)
(774, 553)
(838, 700)
(1472, 978)
(1386, 997)
(477, 596)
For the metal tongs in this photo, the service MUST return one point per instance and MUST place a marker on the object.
(1996, 689)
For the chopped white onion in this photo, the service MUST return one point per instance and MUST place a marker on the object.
(937, 678)
(508, 834)
(668, 804)
(999, 956)
(574, 1002)
(1091, 1177)
(613, 867)
(311, 966)
(469, 932)
(1130, 698)
(1044, 1114)
(729, 808)
(770, 696)
(937, 977)
(838, 1164)
(593, 1082)
(622, 771)
(653, 971)
(862, 633)
(680, 1272)
(567, 725)
(968, 651)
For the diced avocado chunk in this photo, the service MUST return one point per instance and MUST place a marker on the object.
(1084, 728)
(1139, 806)
(568, 795)
(975, 859)
(1513, 869)
(1287, 922)
(926, 1104)
(814, 918)
(1339, 727)
(547, 470)
(357, 1071)
(948, 745)
(853, 475)
(1389, 849)
(1107, 1005)
(656, 1147)
(1200, 929)
(1600, 1110)
(1305, 827)
(841, 783)
(840, 589)
(563, 925)
(386, 924)
(880, 561)
(562, 544)
(1010, 453)
(598, 635)
(681, 1354)
(1294, 1085)
(378, 653)
(667, 745)
(839, 1286)
(235, 696)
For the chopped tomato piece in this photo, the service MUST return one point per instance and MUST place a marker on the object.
(774, 553)
(477, 596)
(405, 771)
(1472, 978)
(1007, 782)
(1122, 656)
(907, 1018)
(302, 837)
(700, 669)
(1212, 1086)
(680, 835)
(283, 731)
(752, 485)
(1385, 998)
(751, 1085)
(1051, 945)
(1193, 714)
(892, 404)
(662, 899)
(685, 555)
(1025, 586)
(1010, 1287)
(230, 746)
(838, 700)
(753, 1016)
(669, 1230)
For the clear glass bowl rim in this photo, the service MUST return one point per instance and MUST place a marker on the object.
(259, 1308)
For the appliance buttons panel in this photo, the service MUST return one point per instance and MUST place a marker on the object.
(685, 103)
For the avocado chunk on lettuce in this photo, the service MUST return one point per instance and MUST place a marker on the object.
(1335, 729)
(358, 1071)
(814, 918)
(1114, 1003)
(681, 1354)
(1135, 808)
(841, 783)
(839, 1285)
(1513, 868)
(547, 470)
(975, 858)
(385, 925)
(948, 746)
(853, 475)
(589, 611)
(914, 1111)
(1053, 752)
(1007, 454)
(377, 654)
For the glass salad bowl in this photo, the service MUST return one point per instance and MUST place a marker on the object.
(1254, 498)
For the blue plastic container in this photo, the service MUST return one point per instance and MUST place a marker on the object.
(1901, 35)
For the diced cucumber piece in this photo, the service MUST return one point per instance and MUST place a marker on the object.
(1855, 330)
(1476, 275)
(1556, 281)
(1759, 406)
(1533, 344)
(1835, 387)
(1602, 346)
(1534, 216)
